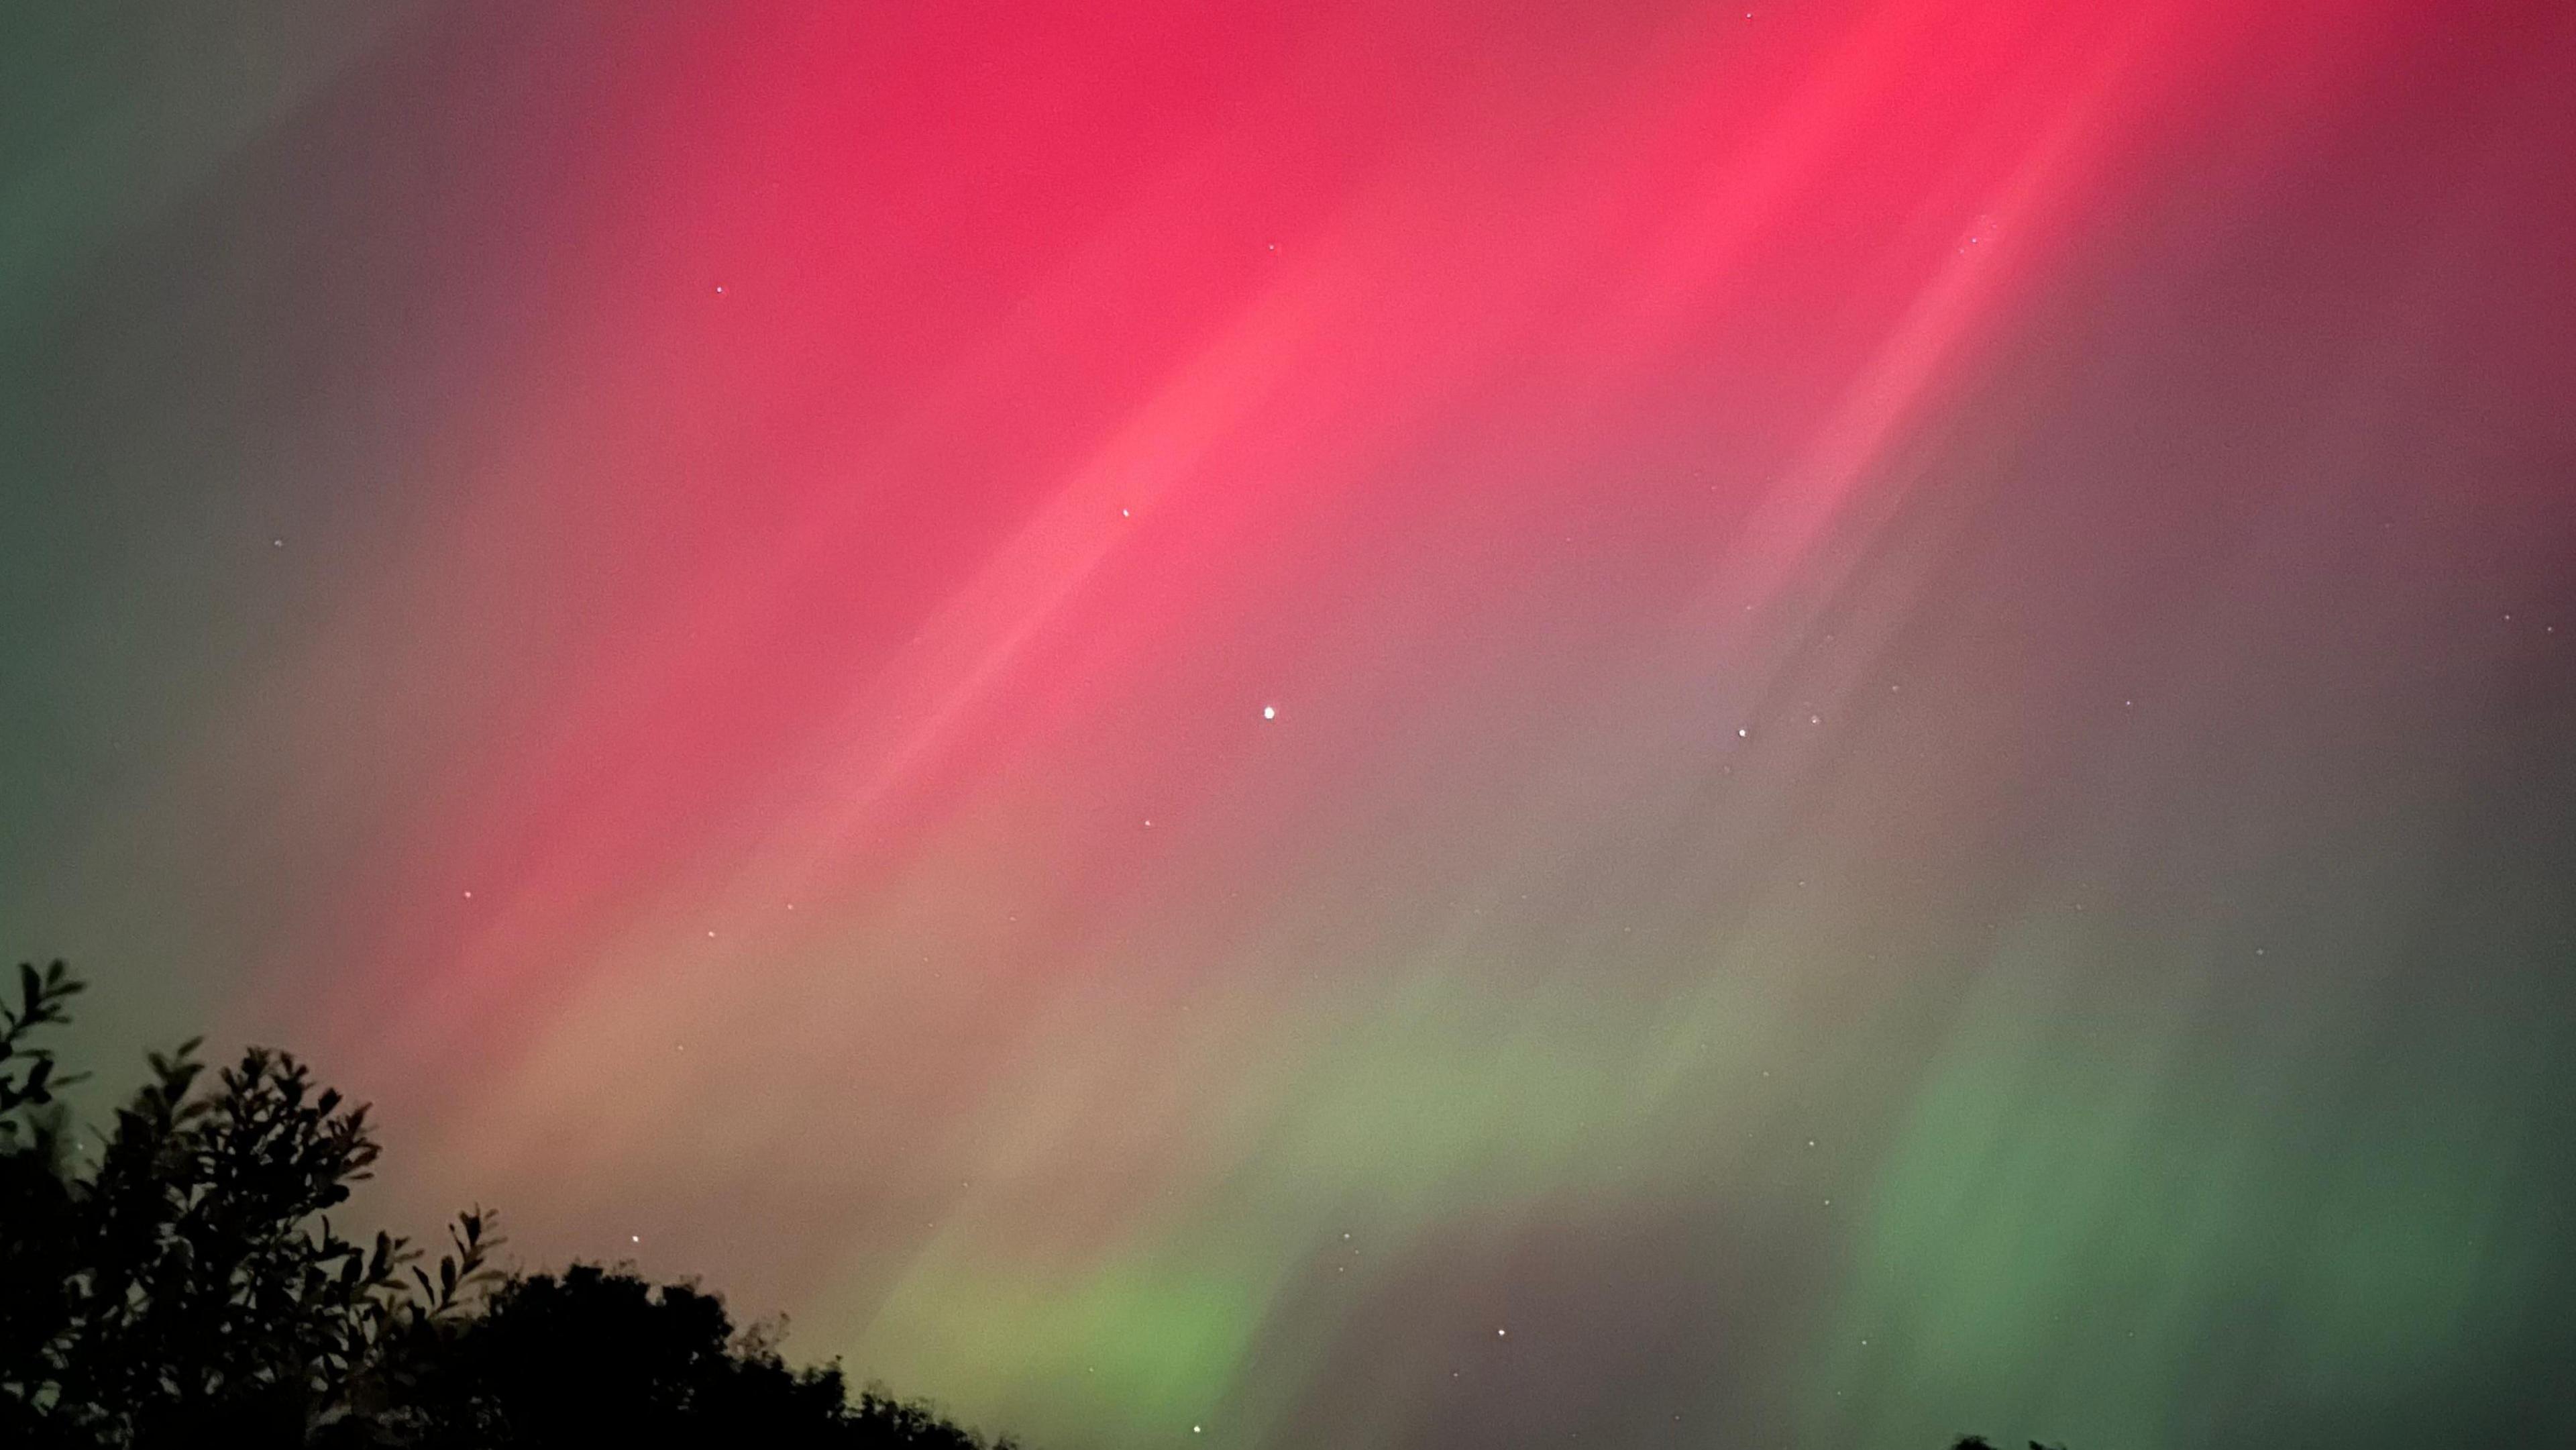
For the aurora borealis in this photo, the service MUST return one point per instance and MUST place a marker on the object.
(1416, 725)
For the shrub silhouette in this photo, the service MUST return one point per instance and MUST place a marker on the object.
(598, 1356)
(187, 1287)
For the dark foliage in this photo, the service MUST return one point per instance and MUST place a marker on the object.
(186, 1286)
(598, 1356)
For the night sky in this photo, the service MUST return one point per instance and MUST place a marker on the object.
(1440, 725)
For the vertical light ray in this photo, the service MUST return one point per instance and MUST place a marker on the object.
(1378, 725)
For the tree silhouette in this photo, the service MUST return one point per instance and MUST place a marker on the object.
(187, 1287)
(598, 1356)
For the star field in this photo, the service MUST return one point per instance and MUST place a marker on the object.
(1368, 725)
